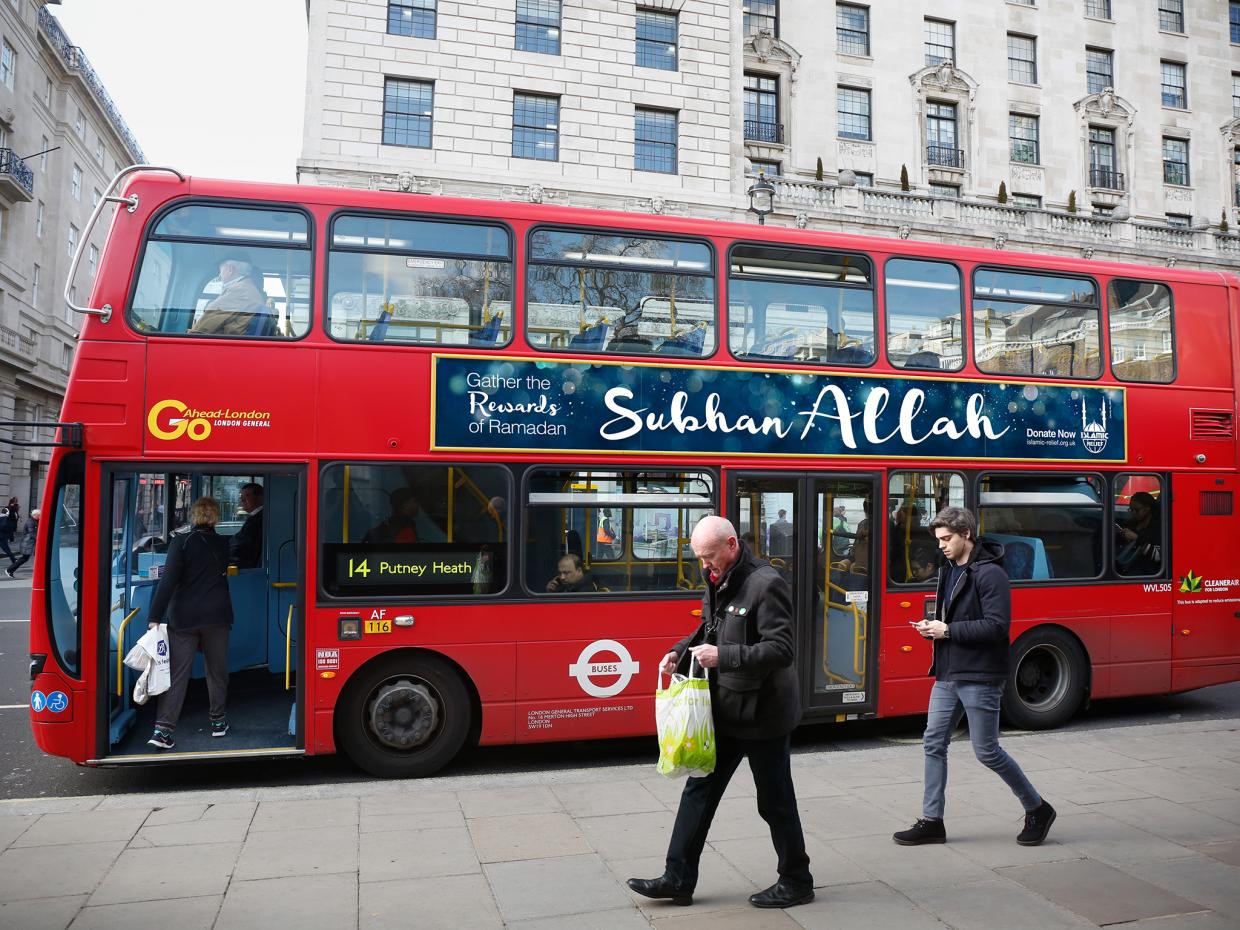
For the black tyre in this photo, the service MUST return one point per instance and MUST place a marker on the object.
(1048, 681)
(403, 716)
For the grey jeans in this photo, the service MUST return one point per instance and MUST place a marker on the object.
(184, 644)
(949, 701)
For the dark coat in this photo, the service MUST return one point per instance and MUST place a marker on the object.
(246, 546)
(29, 534)
(193, 590)
(748, 615)
(978, 614)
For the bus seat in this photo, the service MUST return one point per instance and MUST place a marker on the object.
(592, 337)
(1024, 557)
(488, 333)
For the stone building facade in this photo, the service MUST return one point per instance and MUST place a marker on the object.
(1113, 127)
(62, 139)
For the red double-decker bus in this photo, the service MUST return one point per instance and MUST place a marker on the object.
(484, 431)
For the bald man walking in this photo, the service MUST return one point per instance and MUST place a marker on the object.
(745, 641)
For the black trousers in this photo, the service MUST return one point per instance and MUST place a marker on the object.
(777, 804)
(183, 645)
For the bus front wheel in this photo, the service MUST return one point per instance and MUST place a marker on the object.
(1047, 683)
(403, 716)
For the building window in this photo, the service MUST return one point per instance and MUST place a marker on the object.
(762, 108)
(945, 191)
(94, 259)
(1022, 59)
(538, 26)
(761, 16)
(852, 113)
(34, 288)
(8, 65)
(79, 125)
(1233, 13)
(95, 197)
(760, 166)
(852, 28)
(1171, 15)
(1180, 220)
(941, 145)
(414, 18)
(1235, 94)
(408, 112)
(44, 145)
(1028, 201)
(1174, 85)
(1099, 70)
(656, 40)
(655, 146)
(940, 41)
(1099, 9)
(535, 127)
(38, 221)
(1102, 171)
(75, 184)
(47, 93)
(864, 178)
(73, 239)
(1175, 161)
(99, 150)
(1023, 138)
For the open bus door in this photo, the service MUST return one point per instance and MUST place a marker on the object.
(797, 522)
(146, 508)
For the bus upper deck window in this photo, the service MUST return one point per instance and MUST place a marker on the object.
(923, 315)
(225, 271)
(801, 305)
(1035, 324)
(425, 282)
(1142, 331)
(593, 291)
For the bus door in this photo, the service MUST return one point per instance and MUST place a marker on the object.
(146, 510)
(1206, 633)
(815, 530)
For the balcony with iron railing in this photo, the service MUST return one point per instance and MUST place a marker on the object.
(1106, 178)
(943, 156)
(757, 130)
(16, 179)
(75, 60)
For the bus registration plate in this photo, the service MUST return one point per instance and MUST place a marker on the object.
(378, 626)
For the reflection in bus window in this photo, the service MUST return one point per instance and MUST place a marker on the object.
(914, 499)
(1050, 525)
(1142, 341)
(630, 529)
(419, 281)
(404, 516)
(923, 315)
(1030, 324)
(225, 271)
(1138, 525)
(801, 305)
(593, 292)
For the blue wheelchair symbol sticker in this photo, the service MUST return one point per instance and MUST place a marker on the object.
(57, 702)
(37, 701)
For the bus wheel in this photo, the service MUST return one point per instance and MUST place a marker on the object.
(1047, 683)
(403, 717)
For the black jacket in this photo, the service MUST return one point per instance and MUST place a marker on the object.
(748, 615)
(245, 547)
(978, 614)
(193, 590)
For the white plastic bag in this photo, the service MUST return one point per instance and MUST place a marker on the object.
(150, 656)
(685, 725)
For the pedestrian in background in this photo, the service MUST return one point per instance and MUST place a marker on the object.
(30, 533)
(746, 643)
(973, 613)
(8, 530)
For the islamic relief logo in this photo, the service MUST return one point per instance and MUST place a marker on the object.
(1190, 583)
(1094, 433)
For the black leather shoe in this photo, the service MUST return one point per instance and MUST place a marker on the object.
(663, 889)
(782, 895)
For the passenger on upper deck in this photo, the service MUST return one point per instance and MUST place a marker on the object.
(241, 309)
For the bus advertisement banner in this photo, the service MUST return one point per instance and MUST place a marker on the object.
(543, 405)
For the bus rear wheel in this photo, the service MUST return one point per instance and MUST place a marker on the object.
(1047, 683)
(403, 717)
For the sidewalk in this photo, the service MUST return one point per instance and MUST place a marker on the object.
(1148, 831)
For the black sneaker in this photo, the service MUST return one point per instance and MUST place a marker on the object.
(923, 832)
(9, 572)
(219, 727)
(1037, 825)
(161, 739)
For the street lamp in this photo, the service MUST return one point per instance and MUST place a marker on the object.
(762, 198)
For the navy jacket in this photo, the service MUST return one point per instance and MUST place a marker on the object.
(193, 590)
(748, 615)
(978, 614)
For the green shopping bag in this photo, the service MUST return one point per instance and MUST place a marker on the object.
(685, 725)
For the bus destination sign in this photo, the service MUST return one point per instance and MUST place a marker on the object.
(543, 405)
(435, 568)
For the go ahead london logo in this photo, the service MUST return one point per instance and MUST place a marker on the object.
(171, 419)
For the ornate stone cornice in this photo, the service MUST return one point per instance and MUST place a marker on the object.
(1106, 105)
(944, 78)
(772, 51)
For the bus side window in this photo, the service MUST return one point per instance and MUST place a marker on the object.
(1050, 526)
(1138, 525)
(914, 499)
(1142, 331)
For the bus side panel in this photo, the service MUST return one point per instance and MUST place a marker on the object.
(105, 393)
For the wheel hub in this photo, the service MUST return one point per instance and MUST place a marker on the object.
(404, 714)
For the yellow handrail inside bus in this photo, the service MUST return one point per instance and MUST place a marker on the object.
(120, 652)
(288, 645)
(344, 529)
(451, 500)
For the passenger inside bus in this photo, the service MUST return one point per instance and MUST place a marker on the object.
(245, 547)
(571, 577)
(241, 309)
(408, 522)
(1139, 538)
